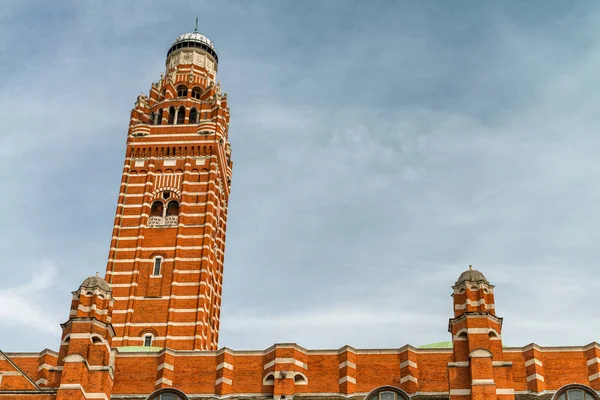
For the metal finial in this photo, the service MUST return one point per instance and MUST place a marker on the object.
(196, 30)
(471, 267)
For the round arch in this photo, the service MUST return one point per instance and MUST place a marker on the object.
(167, 394)
(387, 393)
(575, 391)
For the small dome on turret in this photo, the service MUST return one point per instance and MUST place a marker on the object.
(471, 275)
(194, 39)
(95, 281)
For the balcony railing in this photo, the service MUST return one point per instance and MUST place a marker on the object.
(170, 220)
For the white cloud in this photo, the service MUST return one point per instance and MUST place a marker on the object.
(24, 306)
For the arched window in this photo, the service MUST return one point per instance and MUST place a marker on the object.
(152, 118)
(575, 392)
(181, 115)
(161, 215)
(171, 115)
(387, 393)
(182, 91)
(193, 116)
(300, 379)
(172, 208)
(196, 93)
(159, 117)
(157, 209)
(157, 266)
(269, 379)
(148, 340)
(168, 394)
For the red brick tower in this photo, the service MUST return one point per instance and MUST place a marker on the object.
(478, 370)
(165, 264)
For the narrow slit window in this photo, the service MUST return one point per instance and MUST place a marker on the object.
(148, 340)
(157, 265)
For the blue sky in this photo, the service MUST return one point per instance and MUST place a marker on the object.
(379, 149)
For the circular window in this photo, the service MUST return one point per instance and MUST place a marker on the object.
(168, 394)
(575, 392)
(387, 393)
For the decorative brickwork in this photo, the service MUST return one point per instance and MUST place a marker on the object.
(151, 327)
(173, 206)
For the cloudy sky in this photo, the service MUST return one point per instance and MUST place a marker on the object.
(380, 148)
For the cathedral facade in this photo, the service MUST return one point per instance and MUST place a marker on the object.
(149, 329)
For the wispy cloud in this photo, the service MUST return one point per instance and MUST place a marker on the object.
(24, 305)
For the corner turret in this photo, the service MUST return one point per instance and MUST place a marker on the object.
(85, 352)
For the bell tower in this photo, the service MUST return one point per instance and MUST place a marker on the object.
(165, 264)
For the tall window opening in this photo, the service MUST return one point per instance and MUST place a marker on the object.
(196, 93)
(181, 115)
(157, 209)
(171, 217)
(171, 115)
(159, 117)
(193, 116)
(182, 91)
(147, 340)
(157, 266)
(152, 118)
(173, 208)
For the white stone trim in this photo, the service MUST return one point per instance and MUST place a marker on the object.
(408, 363)
(408, 378)
(482, 382)
(460, 364)
(348, 364)
(223, 380)
(505, 391)
(460, 392)
(225, 365)
(165, 366)
(164, 380)
(534, 361)
(175, 297)
(159, 248)
(76, 386)
(534, 377)
(45, 366)
(285, 361)
(347, 378)
(152, 259)
(474, 304)
(168, 337)
(593, 361)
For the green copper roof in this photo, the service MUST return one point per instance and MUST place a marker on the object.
(138, 349)
(438, 345)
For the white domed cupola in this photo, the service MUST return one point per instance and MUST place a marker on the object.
(192, 61)
(194, 40)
